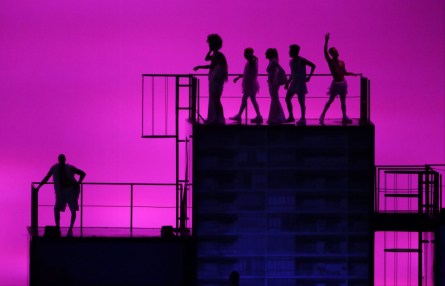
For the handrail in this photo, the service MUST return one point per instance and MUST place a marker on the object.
(35, 200)
(403, 183)
(155, 85)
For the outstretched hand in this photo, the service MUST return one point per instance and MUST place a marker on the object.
(326, 37)
(196, 68)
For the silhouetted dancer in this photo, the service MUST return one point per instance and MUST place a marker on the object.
(218, 74)
(66, 187)
(339, 85)
(234, 278)
(276, 77)
(297, 82)
(250, 86)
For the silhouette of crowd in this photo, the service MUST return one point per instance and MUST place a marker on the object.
(276, 77)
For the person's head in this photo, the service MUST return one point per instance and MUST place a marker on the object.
(62, 159)
(248, 53)
(294, 50)
(215, 42)
(271, 53)
(333, 52)
(234, 278)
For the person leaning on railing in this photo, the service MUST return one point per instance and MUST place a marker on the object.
(67, 189)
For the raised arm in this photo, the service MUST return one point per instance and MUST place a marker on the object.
(45, 180)
(208, 57)
(326, 54)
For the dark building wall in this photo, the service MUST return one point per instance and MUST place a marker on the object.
(283, 205)
(111, 261)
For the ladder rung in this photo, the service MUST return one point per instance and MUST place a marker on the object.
(183, 108)
(184, 85)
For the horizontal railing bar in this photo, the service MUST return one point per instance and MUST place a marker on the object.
(402, 195)
(160, 136)
(402, 250)
(268, 97)
(118, 184)
(231, 74)
(116, 206)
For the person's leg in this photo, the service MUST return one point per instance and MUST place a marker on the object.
(243, 106)
(252, 96)
(57, 217)
(343, 104)
(343, 108)
(290, 93)
(219, 107)
(301, 100)
(326, 107)
(73, 219)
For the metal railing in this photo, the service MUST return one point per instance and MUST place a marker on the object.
(164, 96)
(409, 189)
(132, 203)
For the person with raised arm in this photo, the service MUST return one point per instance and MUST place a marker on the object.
(250, 86)
(218, 75)
(297, 83)
(338, 86)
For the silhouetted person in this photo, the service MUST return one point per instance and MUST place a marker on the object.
(250, 86)
(66, 187)
(339, 86)
(234, 278)
(297, 82)
(218, 74)
(275, 78)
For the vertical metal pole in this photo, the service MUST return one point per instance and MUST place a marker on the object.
(131, 210)
(427, 192)
(177, 147)
(363, 99)
(420, 260)
(34, 209)
(193, 115)
(81, 209)
(420, 192)
(166, 105)
(199, 98)
(368, 83)
(152, 105)
(142, 131)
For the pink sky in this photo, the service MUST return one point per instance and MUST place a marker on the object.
(70, 82)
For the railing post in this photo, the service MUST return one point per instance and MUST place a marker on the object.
(364, 100)
(34, 208)
(131, 210)
(81, 209)
(192, 114)
(143, 111)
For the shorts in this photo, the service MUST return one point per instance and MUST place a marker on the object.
(338, 87)
(298, 88)
(67, 196)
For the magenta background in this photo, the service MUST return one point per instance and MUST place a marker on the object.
(70, 82)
